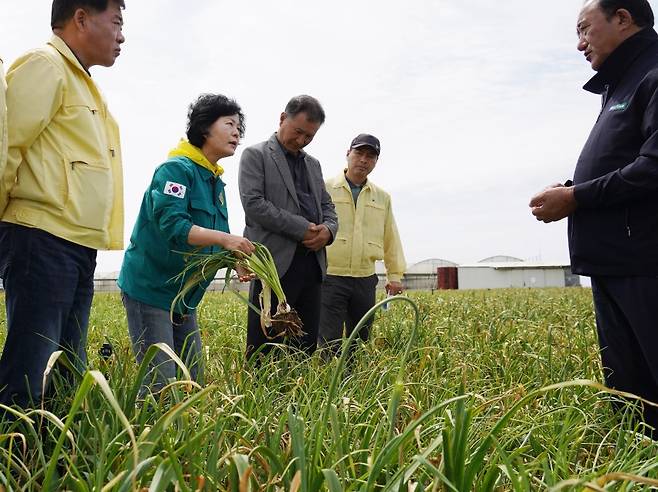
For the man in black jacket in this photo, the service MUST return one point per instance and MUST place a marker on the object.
(612, 203)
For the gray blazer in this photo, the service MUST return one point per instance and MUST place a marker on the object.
(271, 208)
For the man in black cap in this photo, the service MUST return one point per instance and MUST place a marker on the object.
(367, 233)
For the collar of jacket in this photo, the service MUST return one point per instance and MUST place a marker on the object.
(284, 151)
(60, 45)
(186, 149)
(341, 182)
(612, 70)
(345, 183)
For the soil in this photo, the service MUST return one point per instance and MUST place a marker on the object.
(287, 324)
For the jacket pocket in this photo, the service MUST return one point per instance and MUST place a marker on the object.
(374, 250)
(339, 254)
(86, 127)
(90, 194)
(43, 184)
(345, 211)
(203, 214)
(375, 216)
(374, 220)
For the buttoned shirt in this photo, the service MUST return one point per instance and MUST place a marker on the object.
(297, 166)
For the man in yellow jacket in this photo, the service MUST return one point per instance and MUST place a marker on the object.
(3, 117)
(61, 194)
(367, 232)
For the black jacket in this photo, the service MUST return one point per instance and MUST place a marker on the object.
(614, 230)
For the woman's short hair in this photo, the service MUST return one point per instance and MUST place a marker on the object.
(207, 109)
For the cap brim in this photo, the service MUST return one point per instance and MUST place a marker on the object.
(365, 145)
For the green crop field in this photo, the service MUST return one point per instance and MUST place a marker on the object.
(496, 391)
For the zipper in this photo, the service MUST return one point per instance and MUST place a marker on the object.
(604, 100)
(214, 197)
(606, 93)
(628, 224)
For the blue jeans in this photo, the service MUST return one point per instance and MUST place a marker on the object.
(149, 325)
(49, 286)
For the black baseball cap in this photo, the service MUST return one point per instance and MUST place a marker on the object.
(364, 139)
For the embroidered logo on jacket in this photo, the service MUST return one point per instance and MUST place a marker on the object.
(174, 189)
(619, 107)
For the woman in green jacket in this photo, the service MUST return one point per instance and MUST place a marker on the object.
(183, 209)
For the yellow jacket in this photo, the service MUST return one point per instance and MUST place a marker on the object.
(3, 118)
(366, 233)
(63, 171)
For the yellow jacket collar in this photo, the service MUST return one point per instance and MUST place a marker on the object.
(342, 182)
(59, 44)
(186, 149)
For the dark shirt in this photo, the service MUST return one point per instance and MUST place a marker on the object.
(356, 189)
(614, 230)
(297, 165)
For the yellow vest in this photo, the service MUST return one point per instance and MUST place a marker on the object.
(63, 172)
(366, 233)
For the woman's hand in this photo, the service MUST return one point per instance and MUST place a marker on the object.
(244, 275)
(200, 236)
(238, 243)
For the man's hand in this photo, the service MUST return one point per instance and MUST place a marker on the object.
(394, 288)
(319, 237)
(310, 233)
(554, 203)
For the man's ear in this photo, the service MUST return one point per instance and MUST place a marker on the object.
(625, 18)
(80, 17)
(282, 118)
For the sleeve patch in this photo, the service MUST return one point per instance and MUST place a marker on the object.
(174, 189)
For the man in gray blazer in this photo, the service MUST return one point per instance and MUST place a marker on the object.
(288, 209)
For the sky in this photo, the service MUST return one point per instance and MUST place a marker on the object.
(477, 104)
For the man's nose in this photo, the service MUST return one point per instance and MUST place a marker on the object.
(121, 38)
(582, 44)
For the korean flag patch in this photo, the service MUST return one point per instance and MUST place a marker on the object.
(174, 189)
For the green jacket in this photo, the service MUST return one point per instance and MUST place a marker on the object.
(181, 194)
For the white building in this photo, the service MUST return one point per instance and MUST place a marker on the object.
(506, 273)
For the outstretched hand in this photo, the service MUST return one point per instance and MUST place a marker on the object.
(554, 203)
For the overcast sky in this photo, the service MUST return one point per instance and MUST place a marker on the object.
(478, 104)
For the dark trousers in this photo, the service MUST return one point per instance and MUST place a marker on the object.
(344, 302)
(627, 325)
(302, 286)
(49, 286)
